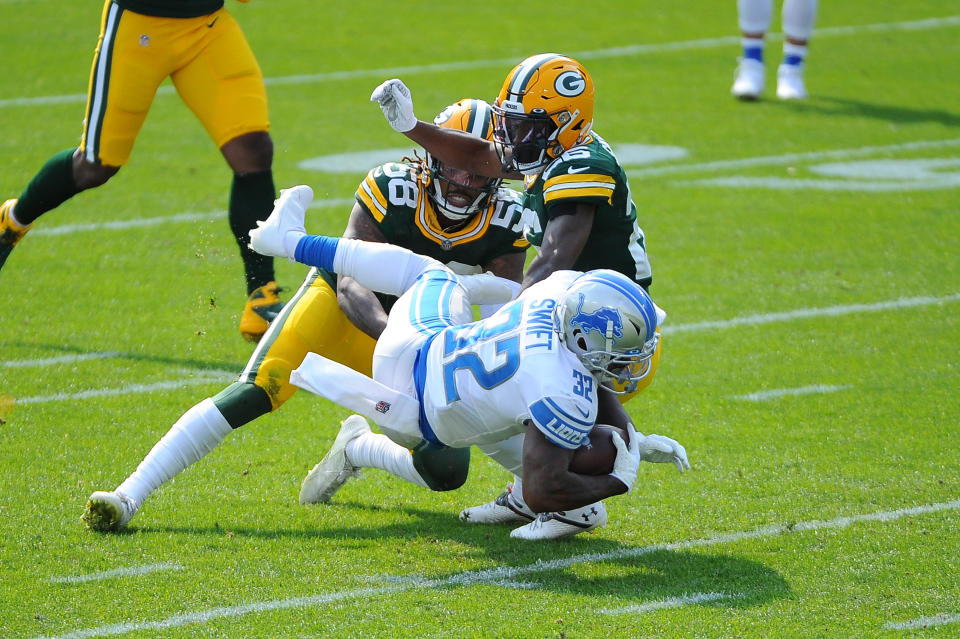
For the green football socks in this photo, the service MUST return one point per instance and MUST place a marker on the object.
(251, 199)
(50, 187)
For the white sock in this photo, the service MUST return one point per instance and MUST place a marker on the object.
(373, 450)
(798, 17)
(381, 267)
(754, 16)
(518, 490)
(194, 435)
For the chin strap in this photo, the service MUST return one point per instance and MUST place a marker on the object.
(608, 337)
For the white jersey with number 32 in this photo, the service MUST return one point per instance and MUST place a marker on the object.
(485, 379)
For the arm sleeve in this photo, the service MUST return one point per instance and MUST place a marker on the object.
(316, 250)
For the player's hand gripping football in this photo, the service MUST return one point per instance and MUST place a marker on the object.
(627, 462)
(659, 449)
(396, 104)
(279, 234)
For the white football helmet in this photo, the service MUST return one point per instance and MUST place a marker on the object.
(610, 323)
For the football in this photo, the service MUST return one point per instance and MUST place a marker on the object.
(597, 457)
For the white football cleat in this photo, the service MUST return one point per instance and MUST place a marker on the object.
(790, 84)
(278, 234)
(334, 469)
(563, 523)
(505, 509)
(749, 79)
(109, 511)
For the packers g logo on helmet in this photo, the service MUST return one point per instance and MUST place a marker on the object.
(570, 84)
(470, 116)
(545, 107)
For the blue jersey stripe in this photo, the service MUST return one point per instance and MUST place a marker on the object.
(557, 426)
(430, 306)
(582, 421)
(419, 381)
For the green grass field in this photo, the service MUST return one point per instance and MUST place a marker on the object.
(806, 253)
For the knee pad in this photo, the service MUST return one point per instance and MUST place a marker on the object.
(442, 468)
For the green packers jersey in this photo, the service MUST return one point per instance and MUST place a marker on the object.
(397, 200)
(590, 174)
(171, 8)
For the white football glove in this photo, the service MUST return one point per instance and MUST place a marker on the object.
(658, 449)
(279, 234)
(628, 458)
(396, 104)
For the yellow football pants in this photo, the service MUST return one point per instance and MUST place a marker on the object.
(310, 322)
(209, 60)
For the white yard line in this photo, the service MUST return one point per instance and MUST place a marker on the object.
(612, 52)
(807, 313)
(119, 225)
(791, 158)
(496, 575)
(130, 571)
(774, 393)
(748, 320)
(924, 622)
(671, 602)
(768, 160)
(209, 377)
(56, 361)
(793, 184)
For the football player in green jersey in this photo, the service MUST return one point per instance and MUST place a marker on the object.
(576, 194)
(201, 48)
(577, 202)
(466, 221)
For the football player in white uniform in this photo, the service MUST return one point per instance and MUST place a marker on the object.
(576, 196)
(442, 383)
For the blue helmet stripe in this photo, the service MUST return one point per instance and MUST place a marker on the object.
(632, 291)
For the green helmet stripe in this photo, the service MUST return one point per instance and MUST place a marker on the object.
(525, 72)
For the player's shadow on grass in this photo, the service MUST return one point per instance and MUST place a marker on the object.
(394, 522)
(634, 575)
(639, 579)
(895, 114)
(628, 579)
